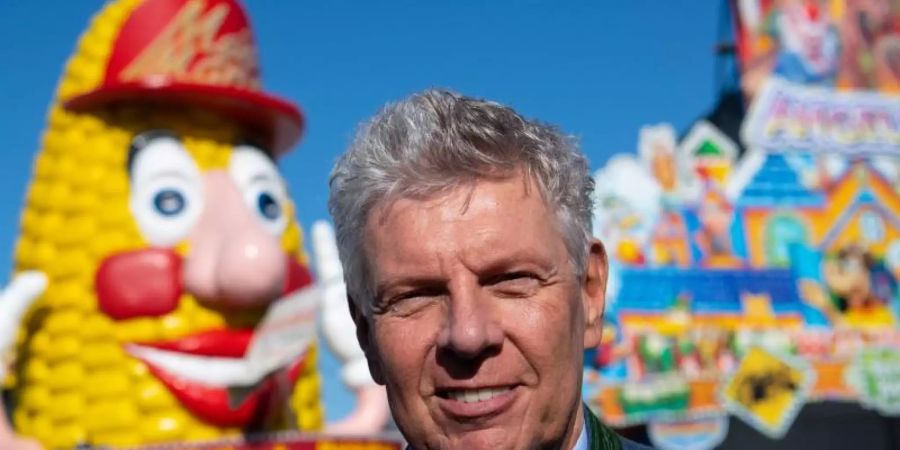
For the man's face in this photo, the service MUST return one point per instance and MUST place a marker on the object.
(479, 320)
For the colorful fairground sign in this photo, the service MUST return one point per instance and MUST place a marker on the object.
(825, 74)
(694, 434)
(790, 117)
(751, 277)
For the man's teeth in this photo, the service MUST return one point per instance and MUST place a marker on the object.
(476, 395)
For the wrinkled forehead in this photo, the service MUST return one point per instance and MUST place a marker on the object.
(439, 190)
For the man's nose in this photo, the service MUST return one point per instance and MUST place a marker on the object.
(471, 329)
(233, 262)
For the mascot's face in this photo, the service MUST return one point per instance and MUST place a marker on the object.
(165, 235)
(212, 210)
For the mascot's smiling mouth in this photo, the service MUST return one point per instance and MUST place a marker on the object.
(202, 370)
(214, 358)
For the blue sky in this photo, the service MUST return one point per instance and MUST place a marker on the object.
(599, 70)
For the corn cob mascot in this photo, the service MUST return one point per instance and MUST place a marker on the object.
(157, 235)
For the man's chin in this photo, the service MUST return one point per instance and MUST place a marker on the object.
(493, 438)
(504, 431)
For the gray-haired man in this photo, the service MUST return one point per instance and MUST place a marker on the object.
(475, 285)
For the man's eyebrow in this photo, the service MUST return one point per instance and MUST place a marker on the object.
(520, 260)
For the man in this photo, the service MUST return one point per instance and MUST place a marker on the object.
(474, 282)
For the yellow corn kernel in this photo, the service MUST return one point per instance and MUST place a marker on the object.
(36, 398)
(97, 326)
(136, 368)
(175, 326)
(65, 376)
(137, 330)
(72, 295)
(63, 348)
(66, 406)
(110, 415)
(64, 322)
(102, 354)
(21, 420)
(203, 432)
(112, 242)
(70, 263)
(36, 371)
(152, 395)
(78, 228)
(106, 384)
(126, 438)
(64, 435)
(41, 428)
(40, 343)
(164, 427)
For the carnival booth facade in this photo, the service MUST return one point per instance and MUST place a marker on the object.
(755, 273)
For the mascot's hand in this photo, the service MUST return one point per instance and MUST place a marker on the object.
(371, 413)
(14, 301)
(370, 416)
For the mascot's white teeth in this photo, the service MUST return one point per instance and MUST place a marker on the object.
(211, 371)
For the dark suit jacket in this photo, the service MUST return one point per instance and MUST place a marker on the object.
(600, 437)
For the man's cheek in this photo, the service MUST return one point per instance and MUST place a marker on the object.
(400, 352)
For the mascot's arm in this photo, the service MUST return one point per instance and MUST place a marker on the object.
(371, 413)
(14, 301)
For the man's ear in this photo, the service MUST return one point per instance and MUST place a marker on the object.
(594, 293)
(364, 339)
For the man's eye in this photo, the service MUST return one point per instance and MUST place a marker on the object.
(515, 284)
(407, 303)
(416, 294)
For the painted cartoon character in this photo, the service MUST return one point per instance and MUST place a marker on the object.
(809, 43)
(716, 215)
(656, 146)
(627, 204)
(859, 290)
(870, 34)
(159, 235)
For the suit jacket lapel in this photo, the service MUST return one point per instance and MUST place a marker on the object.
(600, 437)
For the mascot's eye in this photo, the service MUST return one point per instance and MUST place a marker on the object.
(166, 188)
(263, 189)
(169, 202)
(267, 206)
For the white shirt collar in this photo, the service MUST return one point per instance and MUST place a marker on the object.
(582, 442)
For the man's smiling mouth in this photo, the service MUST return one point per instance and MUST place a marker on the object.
(474, 395)
(474, 406)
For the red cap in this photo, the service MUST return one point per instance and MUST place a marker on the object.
(198, 52)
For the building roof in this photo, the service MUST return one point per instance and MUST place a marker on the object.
(777, 184)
